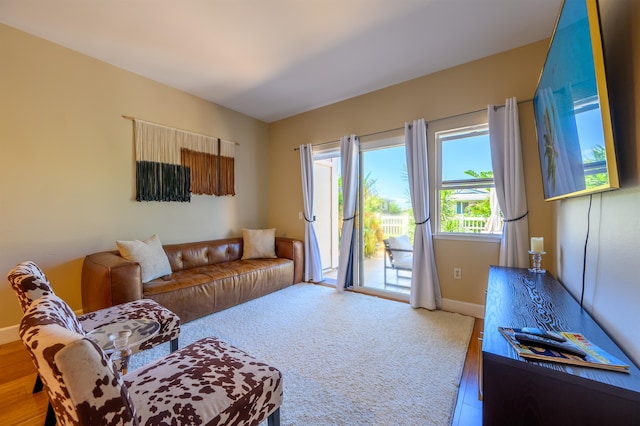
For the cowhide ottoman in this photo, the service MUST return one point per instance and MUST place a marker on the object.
(222, 384)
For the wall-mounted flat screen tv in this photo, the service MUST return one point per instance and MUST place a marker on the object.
(571, 107)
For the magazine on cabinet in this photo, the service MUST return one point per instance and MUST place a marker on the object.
(594, 356)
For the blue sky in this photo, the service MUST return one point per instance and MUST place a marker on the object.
(388, 166)
(590, 131)
(472, 153)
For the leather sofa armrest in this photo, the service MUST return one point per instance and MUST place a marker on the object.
(290, 248)
(109, 279)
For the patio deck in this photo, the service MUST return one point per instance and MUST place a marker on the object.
(374, 276)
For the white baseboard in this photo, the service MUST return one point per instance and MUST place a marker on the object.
(464, 308)
(11, 333)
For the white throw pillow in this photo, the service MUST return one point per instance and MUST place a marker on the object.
(153, 261)
(403, 243)
(259, 243)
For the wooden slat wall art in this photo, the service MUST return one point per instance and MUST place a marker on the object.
(204, 171)
(226, 169)
(172, 164)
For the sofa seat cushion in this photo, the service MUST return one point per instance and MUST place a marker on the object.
(242, 267)
(210, 273)
(187, 278)
(202, 290)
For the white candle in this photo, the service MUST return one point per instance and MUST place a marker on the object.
(537, 244)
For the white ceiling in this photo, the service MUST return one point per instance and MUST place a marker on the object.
(272, 59)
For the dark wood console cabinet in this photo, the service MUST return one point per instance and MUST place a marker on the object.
(519, 392)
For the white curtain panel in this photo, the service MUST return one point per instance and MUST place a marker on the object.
(312, 259)
(349, 155)
(508, 175)
(425, 286)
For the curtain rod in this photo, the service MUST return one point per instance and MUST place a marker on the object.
(495, 107)
(128, 117)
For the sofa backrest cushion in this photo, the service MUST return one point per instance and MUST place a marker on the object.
(191, 255)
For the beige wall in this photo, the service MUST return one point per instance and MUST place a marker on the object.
(67, 165)
(454, 91)
(612, 286)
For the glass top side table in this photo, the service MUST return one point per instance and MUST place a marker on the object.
(141, 330)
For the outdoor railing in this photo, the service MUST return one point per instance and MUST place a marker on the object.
(473, 224)
(394, 225)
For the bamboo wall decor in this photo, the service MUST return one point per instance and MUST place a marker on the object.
(172, 164)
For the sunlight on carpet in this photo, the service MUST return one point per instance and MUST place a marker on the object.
(346, 358)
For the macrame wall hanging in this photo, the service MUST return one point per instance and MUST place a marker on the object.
(172, 164)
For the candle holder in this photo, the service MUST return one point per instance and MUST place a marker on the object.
(536, 257)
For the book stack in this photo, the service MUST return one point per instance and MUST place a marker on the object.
(594, 356)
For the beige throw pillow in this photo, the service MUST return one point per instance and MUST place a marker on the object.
(153, 261)
(259, 243)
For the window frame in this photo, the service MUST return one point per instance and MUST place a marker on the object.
(476, 122)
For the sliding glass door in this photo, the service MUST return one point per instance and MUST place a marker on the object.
(383, 213)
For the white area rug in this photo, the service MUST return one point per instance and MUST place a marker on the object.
(346, 358)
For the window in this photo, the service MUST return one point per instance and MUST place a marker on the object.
(466, 201)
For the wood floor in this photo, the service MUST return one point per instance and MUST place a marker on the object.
(469, 406)
(18, 406)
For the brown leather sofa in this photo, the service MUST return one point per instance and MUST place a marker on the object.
(206, 277)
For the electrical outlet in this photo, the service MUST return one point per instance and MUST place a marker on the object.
(457, 273)
(299, 215)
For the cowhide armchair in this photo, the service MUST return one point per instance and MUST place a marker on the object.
(30, 283)
(206, 383)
